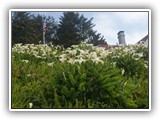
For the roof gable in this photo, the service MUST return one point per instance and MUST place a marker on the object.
(143, 39)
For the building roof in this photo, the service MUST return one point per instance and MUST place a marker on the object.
(143, 39)
(108, 46)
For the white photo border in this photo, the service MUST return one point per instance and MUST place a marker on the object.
(80, 10)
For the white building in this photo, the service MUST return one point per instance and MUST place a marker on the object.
(144, 40)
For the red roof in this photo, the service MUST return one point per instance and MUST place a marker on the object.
(107, 46)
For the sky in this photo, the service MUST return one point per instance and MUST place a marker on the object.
(134, 24)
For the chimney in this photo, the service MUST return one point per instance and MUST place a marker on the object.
(121, 38)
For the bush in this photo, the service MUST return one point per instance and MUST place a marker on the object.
(83, 76)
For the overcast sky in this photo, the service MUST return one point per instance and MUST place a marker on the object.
(134, 24)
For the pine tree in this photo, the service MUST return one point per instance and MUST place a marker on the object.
(97, 39)
(74, 28)
(28, 28)
(37, 34)
(67, 33)
(21, 27)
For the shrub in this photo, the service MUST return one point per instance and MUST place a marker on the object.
(83, 76)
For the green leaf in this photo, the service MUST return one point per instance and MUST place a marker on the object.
(65, 91)
(142, 102)
(73, 81)
(72, 92)
(82, 86)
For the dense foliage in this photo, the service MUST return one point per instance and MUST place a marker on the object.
(81, 76)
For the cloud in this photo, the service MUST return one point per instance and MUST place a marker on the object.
(135, 25)
(106, 25)
(133, 38)
(131, 17)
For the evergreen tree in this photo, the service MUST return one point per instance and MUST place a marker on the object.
(67, 33)
(74, 28)
(96, 39)
(21, 30)
(37, 34)
(28, 28)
